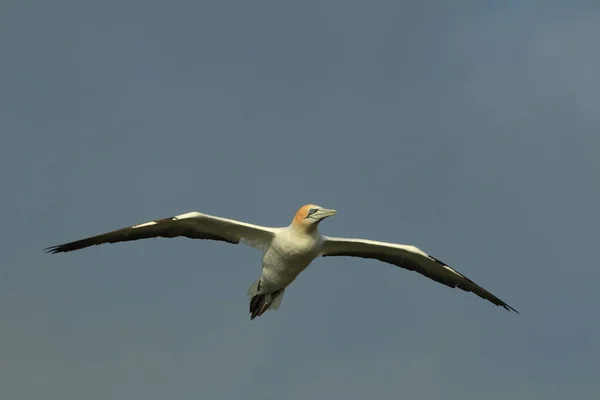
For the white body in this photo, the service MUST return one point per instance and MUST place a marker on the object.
(288, 254)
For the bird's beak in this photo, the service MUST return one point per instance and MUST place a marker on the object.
(324, 213)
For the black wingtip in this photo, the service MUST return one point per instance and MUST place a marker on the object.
(500, 303)
(509, 308)
(54, 249)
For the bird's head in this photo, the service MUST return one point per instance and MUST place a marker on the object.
(308, 217)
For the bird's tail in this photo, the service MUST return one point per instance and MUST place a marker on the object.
(261, 302)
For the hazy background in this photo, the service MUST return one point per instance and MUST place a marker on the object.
(468, 128)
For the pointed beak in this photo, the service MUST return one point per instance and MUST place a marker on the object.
(324, 213)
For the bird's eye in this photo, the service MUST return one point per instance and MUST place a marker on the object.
(312, 211)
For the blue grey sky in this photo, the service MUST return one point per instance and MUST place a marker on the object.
(467, 128)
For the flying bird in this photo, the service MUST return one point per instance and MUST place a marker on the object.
(287, 251)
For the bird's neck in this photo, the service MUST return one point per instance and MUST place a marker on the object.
(304, 229)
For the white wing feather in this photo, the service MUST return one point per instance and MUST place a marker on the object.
(193, 225)
(408, 257)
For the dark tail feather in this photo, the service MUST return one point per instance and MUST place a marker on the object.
(261, 303)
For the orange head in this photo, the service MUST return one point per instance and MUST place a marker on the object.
(309, 216)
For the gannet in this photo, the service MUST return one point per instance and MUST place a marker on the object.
(287, 251)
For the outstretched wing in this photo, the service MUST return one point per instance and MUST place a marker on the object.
(408, 257)
(193, 225)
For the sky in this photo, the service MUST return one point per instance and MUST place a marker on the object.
(468, 128)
